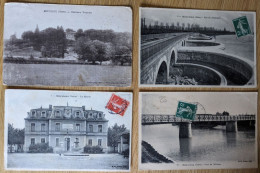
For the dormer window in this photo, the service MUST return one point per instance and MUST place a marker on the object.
(43, 115)
(33, 113)
(99, 115)
(90, 115)
(77, 114)
(57, 113)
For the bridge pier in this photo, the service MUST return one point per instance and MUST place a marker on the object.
(231, 126)
(185, 130)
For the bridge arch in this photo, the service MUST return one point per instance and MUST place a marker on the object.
(162, 72)
(173, 56)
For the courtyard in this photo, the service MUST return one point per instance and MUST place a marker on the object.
(32, 161)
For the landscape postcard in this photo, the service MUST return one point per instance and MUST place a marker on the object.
(67, 130)
(197, 130)
(67, 45)
(197, 48)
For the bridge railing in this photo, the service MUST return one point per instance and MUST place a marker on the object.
(147, 52)
(160, 119)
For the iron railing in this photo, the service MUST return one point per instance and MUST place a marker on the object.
(160, 119)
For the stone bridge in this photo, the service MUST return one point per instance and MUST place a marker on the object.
(210, 120)
(198, 57)
(156, 57)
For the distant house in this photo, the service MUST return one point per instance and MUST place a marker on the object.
(66, 128)
(123, 143)
(70, 35)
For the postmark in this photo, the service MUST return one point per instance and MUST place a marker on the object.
(186, 110)
(117, 105)
(241, 26)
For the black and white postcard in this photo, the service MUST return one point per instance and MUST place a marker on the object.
(191, 48)
(67, 45)
(197, 130)
(67, 130)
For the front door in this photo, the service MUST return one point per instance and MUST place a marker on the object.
(68, 144)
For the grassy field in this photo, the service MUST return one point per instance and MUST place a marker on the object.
(66, 75)
(55, 161)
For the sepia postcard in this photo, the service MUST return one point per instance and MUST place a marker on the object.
(197, 48)
(197, 130)
(67, 45)
(67, 130)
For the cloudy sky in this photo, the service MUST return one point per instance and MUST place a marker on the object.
(208, 18)
(20, 17)
(234, 103)
(19, 102)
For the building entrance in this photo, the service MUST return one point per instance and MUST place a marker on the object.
(67, 144)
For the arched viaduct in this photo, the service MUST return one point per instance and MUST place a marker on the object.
(205, 59)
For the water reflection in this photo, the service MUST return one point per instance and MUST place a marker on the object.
(206, 144)
(185, 147)
(231, 138)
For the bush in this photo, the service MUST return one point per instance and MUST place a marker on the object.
(93, 149)
(40, 148)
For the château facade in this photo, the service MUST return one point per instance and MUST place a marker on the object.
(66, 128)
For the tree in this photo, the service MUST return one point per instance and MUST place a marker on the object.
(15, 136)
(92, 50)
(11, 137)
(79, 34)
(225, 113)
(113, 135)
(37, 39)
(28, 36)
(54, 43)
(122, 55)
(104, 50)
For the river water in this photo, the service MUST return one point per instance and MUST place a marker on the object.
(205, 145)
(243, 46)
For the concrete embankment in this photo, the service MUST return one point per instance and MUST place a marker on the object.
(150, 155)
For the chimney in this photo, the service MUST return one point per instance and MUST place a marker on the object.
(50, 107)
(83, 107)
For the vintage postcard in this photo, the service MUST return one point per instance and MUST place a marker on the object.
(197, 130)
(67, 130)
(67, 45)
(197, 48)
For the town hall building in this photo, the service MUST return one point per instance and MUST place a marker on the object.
(66, 128)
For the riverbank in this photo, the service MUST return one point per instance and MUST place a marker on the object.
(150, 155)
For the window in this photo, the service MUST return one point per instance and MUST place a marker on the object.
(33, 127)
(77, 114)
(32, 141)
(42, 140)
(57, 142)
(90, 115)
(77, 143)
(99, 115)
(99, 142)
(77, 127)
(33, 113)
(90, 128)
(43, 127)
(99, 128)
(57, 127)
(43, 114)
(90, 142)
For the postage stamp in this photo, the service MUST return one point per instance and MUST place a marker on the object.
(241, 26)
(186, 110)
(117, 105)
